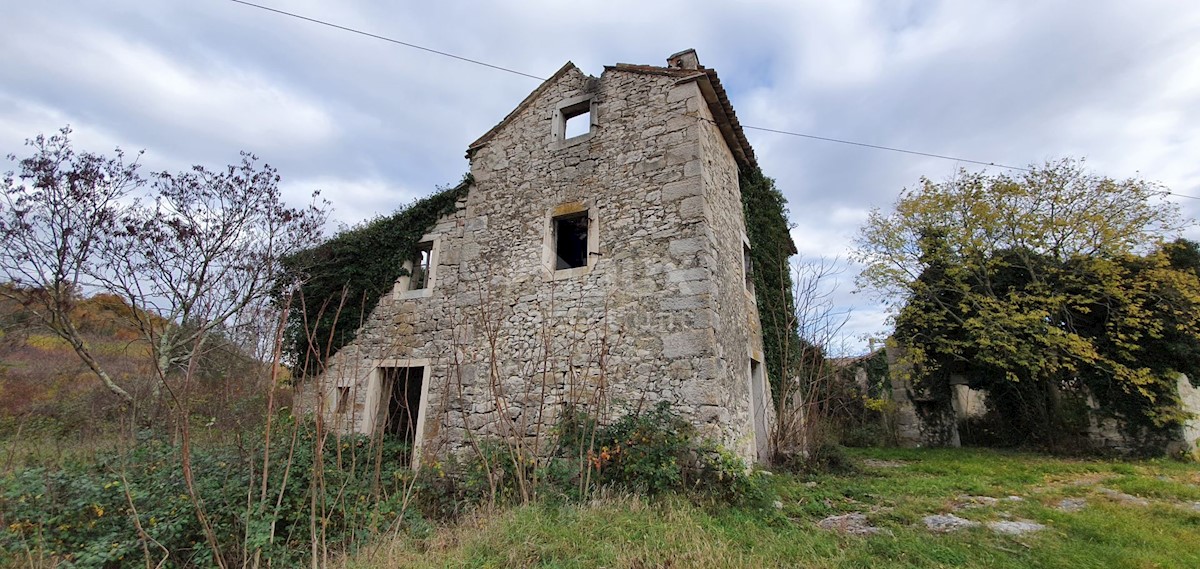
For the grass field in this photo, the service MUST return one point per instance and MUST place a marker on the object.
(1115, 515)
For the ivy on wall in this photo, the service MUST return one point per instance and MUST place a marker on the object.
(771, 245)
(343, 279)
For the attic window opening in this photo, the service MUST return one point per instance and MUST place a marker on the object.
(571, 240)
(573, 119)
(419, 279)
(579, 123)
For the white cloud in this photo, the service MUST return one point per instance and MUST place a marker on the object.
(353, 200)
(376, 124)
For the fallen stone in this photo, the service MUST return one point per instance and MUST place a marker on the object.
(1123, 497)
(964, 502)
(850, 524)
(877, 463)
(942, 523)
(1071, 505)
(1191, 506)
(1016, 527)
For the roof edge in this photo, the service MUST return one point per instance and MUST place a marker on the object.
(528, 100)
(725, 117)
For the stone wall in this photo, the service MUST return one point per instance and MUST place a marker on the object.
(922, 419)
(1189, 396)
(659, 313)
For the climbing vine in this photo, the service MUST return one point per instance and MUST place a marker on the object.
(342, 279)
(768, 229)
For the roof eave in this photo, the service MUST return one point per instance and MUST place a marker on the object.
(724, 116)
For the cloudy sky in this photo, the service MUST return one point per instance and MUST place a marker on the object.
(375, 125)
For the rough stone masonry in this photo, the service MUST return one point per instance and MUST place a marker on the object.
(598, 260)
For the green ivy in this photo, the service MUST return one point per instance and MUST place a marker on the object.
(344, 277)
(771, 245)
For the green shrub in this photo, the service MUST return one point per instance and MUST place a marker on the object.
(80, 513)
(658, 451)
(645, 452)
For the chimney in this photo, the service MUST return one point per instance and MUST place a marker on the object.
(685, 59)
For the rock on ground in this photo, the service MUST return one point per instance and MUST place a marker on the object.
(851, 524)
(945, 523)
(961, 502)
(1016, 527)
(1123, 497)
(1071, 505)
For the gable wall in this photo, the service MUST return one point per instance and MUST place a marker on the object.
(659, 315)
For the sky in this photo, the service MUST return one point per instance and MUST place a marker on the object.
(375, 125)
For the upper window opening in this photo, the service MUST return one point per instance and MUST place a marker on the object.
(419, 278)
(573, 119)
(571, 241)
(579, 123)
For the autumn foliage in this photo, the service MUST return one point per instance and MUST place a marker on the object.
(1042, 289)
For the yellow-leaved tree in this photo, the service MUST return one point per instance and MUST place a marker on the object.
(1035, 287)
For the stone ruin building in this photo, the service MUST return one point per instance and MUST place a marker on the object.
(599, 259)
(925, 420)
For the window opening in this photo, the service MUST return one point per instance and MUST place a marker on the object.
(402, 388)
(578, 122)
(748, 267)
(571, 241)
(419, 278)
(343, 399)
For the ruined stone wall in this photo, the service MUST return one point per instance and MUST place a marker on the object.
(407, 328)
(658, 314)
(1189, 398)
(922, 419)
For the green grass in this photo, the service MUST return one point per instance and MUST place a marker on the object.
(625, 531)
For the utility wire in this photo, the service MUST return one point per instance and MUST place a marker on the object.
(387, 39)
(747, 127)
(876, 146)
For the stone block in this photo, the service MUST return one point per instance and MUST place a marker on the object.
(682, 92)
(685, 188)
(689, 343)
(681, 275)
(685, 248)
(693, 209)
(694, 302)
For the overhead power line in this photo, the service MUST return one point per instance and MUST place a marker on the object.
(387, 39)
(878, 147)
(531, 76)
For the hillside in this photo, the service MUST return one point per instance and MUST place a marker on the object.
(43, 381)
(40, 375)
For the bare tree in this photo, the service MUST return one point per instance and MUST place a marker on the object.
(203, 257)
(56, 211)
(199, 257)
(803, 406)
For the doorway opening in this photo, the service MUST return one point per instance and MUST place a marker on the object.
(758, 410)
(402, 411)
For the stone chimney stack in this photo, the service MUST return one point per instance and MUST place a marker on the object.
(685, 59)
